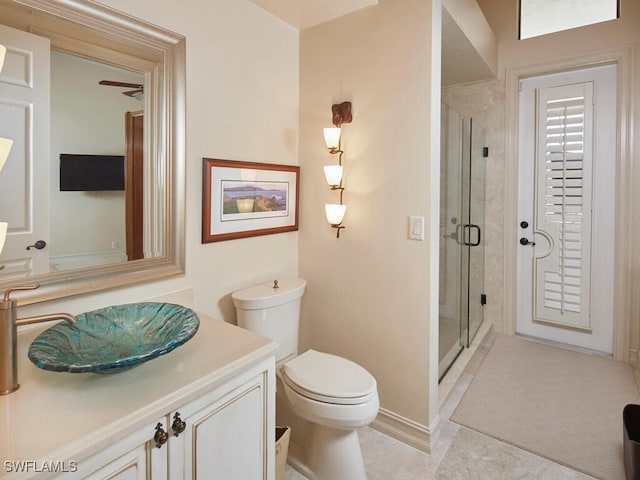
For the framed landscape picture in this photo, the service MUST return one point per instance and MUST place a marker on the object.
(246, 199)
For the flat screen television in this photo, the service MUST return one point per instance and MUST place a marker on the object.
(91, 172)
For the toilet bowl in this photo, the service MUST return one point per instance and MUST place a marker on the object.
(330, 390)
(332, 395)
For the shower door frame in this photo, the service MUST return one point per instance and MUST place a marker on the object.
(478, 152)
(468, 235)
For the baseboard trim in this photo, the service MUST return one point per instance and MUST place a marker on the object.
(407, 431)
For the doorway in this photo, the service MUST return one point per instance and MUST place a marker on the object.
(462, 204)
(134, 184)
(566, 207)
(624, 299)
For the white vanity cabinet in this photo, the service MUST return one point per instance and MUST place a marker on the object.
(226, 433)
(133, 458)
(213, 397)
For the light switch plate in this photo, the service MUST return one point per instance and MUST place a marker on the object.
(416, 228)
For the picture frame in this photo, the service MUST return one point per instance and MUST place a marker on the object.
(247, 199)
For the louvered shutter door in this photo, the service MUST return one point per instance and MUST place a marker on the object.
(564, 156)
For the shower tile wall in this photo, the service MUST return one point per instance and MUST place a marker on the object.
(485, 103)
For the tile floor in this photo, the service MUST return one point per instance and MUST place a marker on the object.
(461, 453)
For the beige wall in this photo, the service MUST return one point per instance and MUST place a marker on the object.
(469, 18)
(242, 103)
(372, 292)
(502, 17)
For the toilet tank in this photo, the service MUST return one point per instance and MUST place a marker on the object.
(272, 311)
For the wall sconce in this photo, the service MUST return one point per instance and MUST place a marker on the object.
(341, 113)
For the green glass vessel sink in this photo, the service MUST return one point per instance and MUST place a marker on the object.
(114, 339)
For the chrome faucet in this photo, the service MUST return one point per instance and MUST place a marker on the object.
(9, 324)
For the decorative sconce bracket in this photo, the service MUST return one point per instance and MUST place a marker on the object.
(340, 189)
(341, 113)
(338, 228)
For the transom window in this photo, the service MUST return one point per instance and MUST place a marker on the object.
(539, 17)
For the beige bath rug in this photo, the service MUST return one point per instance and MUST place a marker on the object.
(559, 404)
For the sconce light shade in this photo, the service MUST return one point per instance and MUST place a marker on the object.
(333, 174)
(3, 234)
(5, 148)
(332, 137)
(3, 52)
(335, 213)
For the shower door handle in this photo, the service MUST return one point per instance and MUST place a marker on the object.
(478, 238)
(466, 235)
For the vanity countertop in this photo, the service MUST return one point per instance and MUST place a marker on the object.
(63, 416)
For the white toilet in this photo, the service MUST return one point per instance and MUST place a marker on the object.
(331, 395)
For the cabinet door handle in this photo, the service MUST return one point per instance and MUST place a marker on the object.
(161, 437)
(178, 425)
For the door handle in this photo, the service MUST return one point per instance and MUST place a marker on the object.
(466, 235)
(525, 241)
(478, 239)
(39, 245)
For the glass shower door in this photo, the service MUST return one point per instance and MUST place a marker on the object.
(462, 204)
(476, 207)
(451, 336)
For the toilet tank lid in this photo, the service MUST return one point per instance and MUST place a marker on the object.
(265, 295)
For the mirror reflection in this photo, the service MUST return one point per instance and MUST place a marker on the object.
(91, 126)
(97, 144)
(92, 172)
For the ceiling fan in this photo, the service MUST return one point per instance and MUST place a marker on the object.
(137, 92)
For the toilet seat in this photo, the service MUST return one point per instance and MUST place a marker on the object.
(329, 379)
